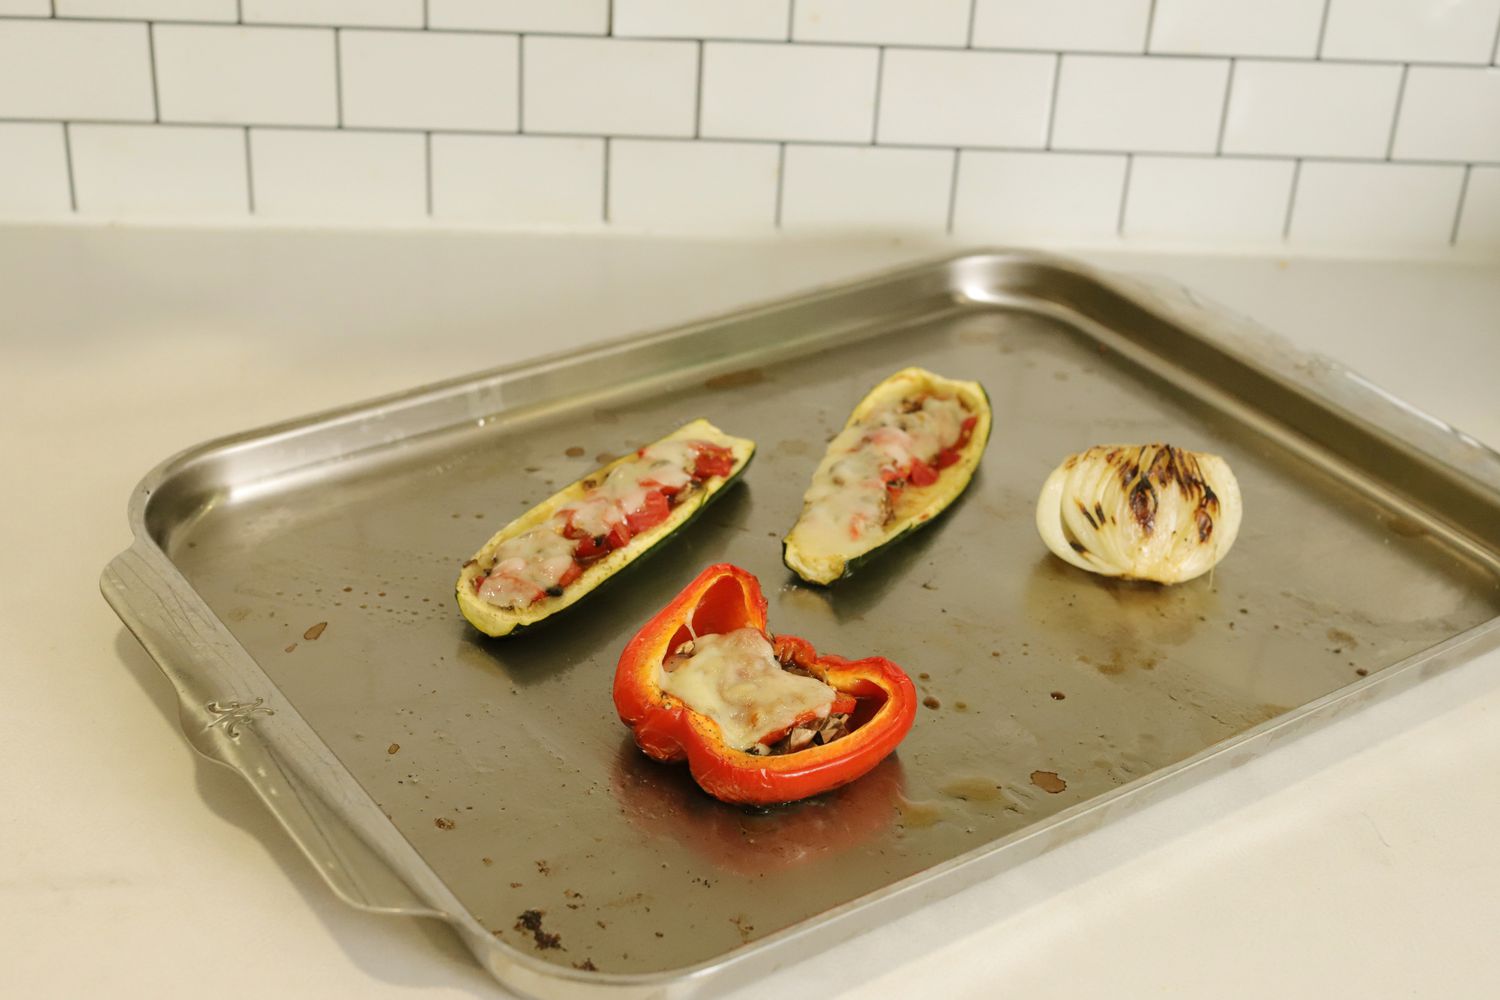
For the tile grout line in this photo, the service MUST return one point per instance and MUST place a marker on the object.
(698, 99)
(953, 192)
(1224, 115)
(791, 18)
(1052, 105)
(973, 11)
(68, 157)
(249, 174)
(1150, 26)
(239, 11)
(151, 55)
(609, 20)
(1124, 194)
(428, 151)
(1458, 214)
(426, 15)
(1322, 30)
(607, 157)
(520, 83)
(338, 74)
(879, 85)
(808, 43)
(780, 181)
(1291, 199)
(1495, 46)
(1245, 156)
(1390, 146)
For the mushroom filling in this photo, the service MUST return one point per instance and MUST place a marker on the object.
(763, 705)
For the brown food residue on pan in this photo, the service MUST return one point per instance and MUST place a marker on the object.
(1048, 781)
(733, 380)
(314, 631)
(443, 823)
(530, 922)
(576, 451)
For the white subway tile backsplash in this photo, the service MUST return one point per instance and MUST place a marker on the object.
(811, 92)
(680, 186)
(518, 180)
(159, 170)
(1311, 109)
(579, 17)
(864, 187)
(1237, 27)
(351, 13)
(1156, 105)
(1228, 120)
(1190, 199)
(702, 18)
(1479, 226)
(430, 79)
(1450, 113)
(1375, 204)
(882, 22)
(1414, 30)
(159, 10)
(313, 175)
(1076, 25)
(249, 76)
(1038, 195)
(74, 69)
(609, 86)
(928, 96)
(33, 170)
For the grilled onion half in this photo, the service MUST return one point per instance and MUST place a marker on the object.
(1141, 512)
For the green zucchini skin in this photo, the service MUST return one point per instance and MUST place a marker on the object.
(502, 623)
(947, 489)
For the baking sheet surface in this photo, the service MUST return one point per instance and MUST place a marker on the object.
(503, 764)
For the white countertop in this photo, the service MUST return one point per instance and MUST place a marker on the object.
(1355, 861)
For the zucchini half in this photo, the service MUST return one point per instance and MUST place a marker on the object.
(497, 621)
(916, 505)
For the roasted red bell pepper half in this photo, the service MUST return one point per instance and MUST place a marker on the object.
(875, 700)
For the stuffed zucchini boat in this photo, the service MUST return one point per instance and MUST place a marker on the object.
(909, 449)
(555, 554)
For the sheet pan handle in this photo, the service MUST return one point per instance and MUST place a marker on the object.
(233, 725)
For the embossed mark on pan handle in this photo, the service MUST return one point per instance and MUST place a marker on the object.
(225, 720)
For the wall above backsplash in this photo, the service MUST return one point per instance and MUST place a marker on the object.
(1224, 124)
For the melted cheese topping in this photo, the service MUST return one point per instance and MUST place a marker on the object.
(533, 562)
(734, 679)
(848, 504)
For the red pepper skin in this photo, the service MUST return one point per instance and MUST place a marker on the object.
(721, 599)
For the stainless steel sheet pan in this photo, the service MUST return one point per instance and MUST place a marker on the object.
(295, 583)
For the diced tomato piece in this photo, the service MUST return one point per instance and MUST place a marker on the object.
(572, 573)
(921, 473)
(669, 491)
(571, 530)
(712, 460)
(591, 547)
(478, 582)
(619, 536)
(654, 511)
(844, 704)
(946, 457)
(966, 431)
